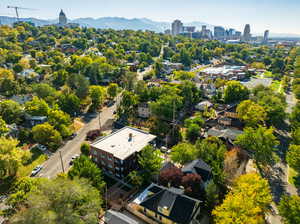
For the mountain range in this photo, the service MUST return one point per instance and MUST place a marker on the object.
(119, 23)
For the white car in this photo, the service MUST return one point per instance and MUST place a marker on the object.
(42, 147)
(36, 170)
(73, 158)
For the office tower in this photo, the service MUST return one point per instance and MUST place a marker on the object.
(177, 27)
(219, 33)
(189, 29)
(62, 18)
(247, 33)
(266, 36)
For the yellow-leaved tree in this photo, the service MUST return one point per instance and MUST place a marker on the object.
(247, 202)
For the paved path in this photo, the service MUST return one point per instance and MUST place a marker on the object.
(53, 165)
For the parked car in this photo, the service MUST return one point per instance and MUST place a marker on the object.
(2, 198)
(92, 135)
(42, 147)
(73, 158)
(73, 135)
(36, 170)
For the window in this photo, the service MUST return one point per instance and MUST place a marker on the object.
(109, 158)
(95, 159)
(103, 163)
(95, 152)
(110, 166)
(103, 156)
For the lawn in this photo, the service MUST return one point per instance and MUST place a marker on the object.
(37, 158)
(293, 177)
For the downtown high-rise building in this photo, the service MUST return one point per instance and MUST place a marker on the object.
(247, 33)
(177, 27)
(62, 18)
(266, 36)
(219, 33)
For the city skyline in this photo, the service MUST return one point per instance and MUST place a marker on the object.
(278, 16)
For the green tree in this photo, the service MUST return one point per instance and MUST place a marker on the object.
(11, 157)
(10, 111)
(97, 94)
(112, 90)
(44, 91)
(289, 209)
(294, 117)
(46, 134)
(150, 161)
(136, 179)
(128, 104)
(69, 103)
(61, 121)
(183, 153)
(37, 107)
(247, 202)
(235, 92)
(83, 167)
(212, 151)
(293, 157)
(252, 113)
(85, 149)
(61, 201)
(261, 142)
(296, 136)
(183, 75)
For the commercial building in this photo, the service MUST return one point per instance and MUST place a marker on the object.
(226, 72)
(117, 153)
(266, 36)
(177, 27)
(62, 18)
(247, 33)
(219, 33)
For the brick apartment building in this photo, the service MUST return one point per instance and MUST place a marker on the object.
(117, 153)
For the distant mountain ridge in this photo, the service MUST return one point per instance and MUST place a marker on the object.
(120, 23)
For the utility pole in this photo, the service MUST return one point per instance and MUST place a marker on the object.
(62, 163)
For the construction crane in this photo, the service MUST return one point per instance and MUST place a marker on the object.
(16, 8)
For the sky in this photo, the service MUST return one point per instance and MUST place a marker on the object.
(279, 16)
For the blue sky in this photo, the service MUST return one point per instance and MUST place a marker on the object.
(280, 16)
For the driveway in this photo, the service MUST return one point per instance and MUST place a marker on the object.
(53, 165)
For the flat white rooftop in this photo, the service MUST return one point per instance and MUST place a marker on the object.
(121, 145)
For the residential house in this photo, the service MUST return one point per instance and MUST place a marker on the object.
(114, 217)
(199, 167)
(21, 99)
(167, 205)
(228, 135)
(204, 105)
(169, 67)
(32, 121)
(117, 153)
(144, 110)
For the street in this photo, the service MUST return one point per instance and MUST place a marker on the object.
(53, 165)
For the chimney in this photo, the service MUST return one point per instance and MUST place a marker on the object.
(130, 137)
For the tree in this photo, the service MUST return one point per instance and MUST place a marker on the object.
(3, 127)
(289, 209)
(246, 202)
(127, 104)
(183, 153)
(235, 92)
(252, 113)
(135, 178)
(129, 80)
(212, 151)
(150, 161)
(193, 128)
(171, 177)
(69, 103)
(10, 111)
(46, 134)
(183, 75)
(61, 121)
(79, 84)
(85, 149)
(293, 157)
(44, 91)
(112, 90)
(37, 107)
(296, 136)
(83, 167)
(212, 195)
(97, 94)
(192, 184)
(294, 117)
(261, 142)
(61, 201)
(11, 157)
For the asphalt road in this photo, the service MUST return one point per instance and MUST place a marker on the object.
(53, 165)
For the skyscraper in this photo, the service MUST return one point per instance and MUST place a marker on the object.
(247, 33)
(219, 33)
(266, 36)
(62, 18)
(177, 27)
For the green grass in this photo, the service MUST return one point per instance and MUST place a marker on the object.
(292, 176)
(37, 158)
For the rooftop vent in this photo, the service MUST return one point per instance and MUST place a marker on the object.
(130, 137)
